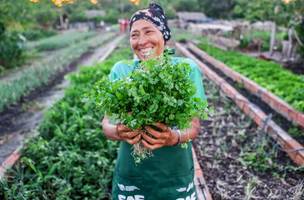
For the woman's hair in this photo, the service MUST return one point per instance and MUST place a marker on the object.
(155, 15)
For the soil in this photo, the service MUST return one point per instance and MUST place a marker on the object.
(239, 160)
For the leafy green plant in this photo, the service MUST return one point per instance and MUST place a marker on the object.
(60, 41)
(38, 33)
(269, 75)
(12, 49)
(260, 159)
(169, 86)
(158, 91)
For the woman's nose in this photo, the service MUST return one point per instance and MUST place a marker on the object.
(142, 40)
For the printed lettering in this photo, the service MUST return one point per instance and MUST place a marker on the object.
(191, 197)
(121, 197)
(139, 197)
(136, 197)
(127, 188)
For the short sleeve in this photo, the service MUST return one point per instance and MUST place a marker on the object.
(196, 77)
(113, 76)
(121, 69)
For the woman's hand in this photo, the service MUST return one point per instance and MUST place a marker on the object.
(157, 139)
(127, 134)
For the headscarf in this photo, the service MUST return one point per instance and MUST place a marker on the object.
(154, 14)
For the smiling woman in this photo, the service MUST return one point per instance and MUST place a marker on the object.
(146, 40)
(169, 173)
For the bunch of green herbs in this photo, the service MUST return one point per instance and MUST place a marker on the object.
(156, 91)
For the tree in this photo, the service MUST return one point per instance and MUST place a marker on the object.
(217, 8)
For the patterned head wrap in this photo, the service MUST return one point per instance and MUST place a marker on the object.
(154, 14)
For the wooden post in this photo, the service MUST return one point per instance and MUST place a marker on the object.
(289, 52)
(272, 39)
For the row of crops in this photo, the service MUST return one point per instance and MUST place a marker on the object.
(70, 159)
(59, 41)
(26, 79)
(269, 75)
(240, 160)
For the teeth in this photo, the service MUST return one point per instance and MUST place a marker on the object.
(147, 51)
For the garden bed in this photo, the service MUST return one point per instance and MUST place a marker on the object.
(25, 80)
(269, 75)
(70, 158)
(239, 160)
(59, 41)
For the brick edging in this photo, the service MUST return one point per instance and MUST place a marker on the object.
(10, 161)
(288, 144)
(200, 180)
(268, 97)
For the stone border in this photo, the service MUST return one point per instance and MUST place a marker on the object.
(288, 144)
(272, 100)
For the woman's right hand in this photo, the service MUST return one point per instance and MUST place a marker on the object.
(127, 134)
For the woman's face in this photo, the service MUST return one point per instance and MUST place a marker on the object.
(146, 40)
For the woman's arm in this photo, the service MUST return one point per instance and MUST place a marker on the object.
(119, 132)
(192, 132)
(109, 130)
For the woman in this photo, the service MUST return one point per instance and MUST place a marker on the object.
(169, 173)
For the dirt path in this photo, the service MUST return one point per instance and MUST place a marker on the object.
(22, 122)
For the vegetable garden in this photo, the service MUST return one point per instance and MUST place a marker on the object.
(250, 143)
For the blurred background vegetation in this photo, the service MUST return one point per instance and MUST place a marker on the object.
(28, 20)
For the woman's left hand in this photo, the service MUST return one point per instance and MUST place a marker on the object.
(158, 139)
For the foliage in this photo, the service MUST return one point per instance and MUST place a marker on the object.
(60, 3)
(112, 16)
(269, 75)
(60, 41)
(157, 91)
(300, 32)
(37, 33)
(71, 158)
(217, 8)
(129, 101)
(261, 157)
(186, 5)
(12, 49)
(263, 36)
(279, 11)
(27, 79)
